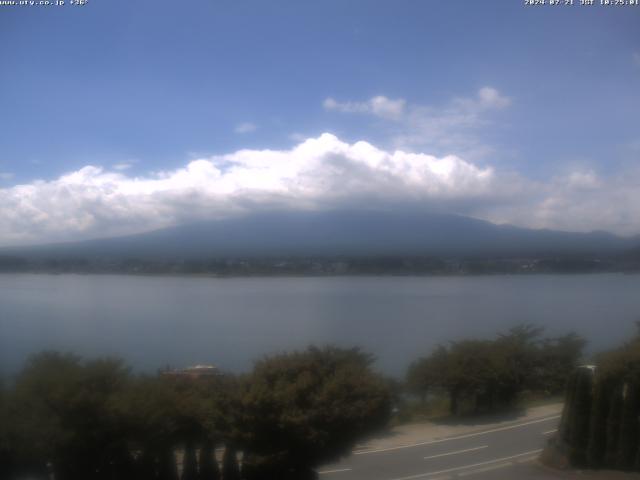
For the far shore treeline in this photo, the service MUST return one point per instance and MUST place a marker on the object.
(80, 419)
(324, 265)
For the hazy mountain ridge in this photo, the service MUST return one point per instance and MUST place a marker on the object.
(339, 233)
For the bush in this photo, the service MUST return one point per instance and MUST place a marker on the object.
(303, 409)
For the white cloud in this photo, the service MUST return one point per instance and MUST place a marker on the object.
(450, 128)
(246, 127)
(579, 201)
(583, 179)
(6, 176)
(490, 98)
(122, 166)
(319, 173)
(379, 106)
(297, 137)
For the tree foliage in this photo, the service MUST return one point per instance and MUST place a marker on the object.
(600, 427)
(62, 412)
(489, 374)
(305, 408)
(94, 420)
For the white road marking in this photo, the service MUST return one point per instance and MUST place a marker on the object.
(459, 437)
(466, 467)
(549, 432)
(527, 459)
(456, 452)
(337, 470)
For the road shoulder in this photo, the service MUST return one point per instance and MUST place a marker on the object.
(411, 434)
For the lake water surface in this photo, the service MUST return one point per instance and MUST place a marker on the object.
(155, 321)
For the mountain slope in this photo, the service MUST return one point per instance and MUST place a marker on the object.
(339, 233)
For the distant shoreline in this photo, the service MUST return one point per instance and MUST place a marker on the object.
(314, 276)
(323, 266)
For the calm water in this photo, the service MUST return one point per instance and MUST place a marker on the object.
(154, 321)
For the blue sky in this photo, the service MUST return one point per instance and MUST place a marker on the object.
(116, 96)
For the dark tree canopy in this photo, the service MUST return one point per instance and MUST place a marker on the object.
(599, 427)
(63, 412)
(310, 407)
(490, 374)
(93, 420)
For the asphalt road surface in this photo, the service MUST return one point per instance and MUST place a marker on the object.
(503, 452)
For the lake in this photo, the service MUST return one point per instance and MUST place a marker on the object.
(155, 321)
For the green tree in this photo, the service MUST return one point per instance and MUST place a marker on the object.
(490, 374)
(628, 441)
(208, 465)
(167, 468)
(63, 409)
(230, 468)
(428, 374)
(621, 368)
(598, 422)
(189, 463)
(7, 456)
(162, 415)
(520, 353)
(613, 426)
(581, 414)
(479, 373)
(302, 409)
(558, 357)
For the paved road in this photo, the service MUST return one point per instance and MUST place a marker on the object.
(507, 451)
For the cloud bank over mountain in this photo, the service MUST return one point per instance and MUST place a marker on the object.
(322, 173)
